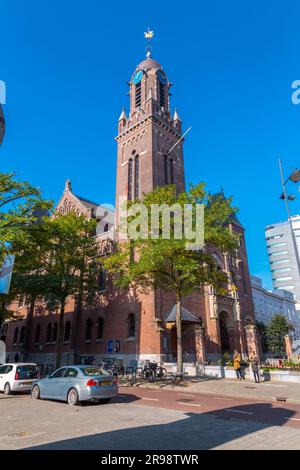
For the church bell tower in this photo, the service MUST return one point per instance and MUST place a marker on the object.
(147, 152)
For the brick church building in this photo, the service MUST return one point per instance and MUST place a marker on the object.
(120, 323)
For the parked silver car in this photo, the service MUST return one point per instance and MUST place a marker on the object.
(75, 384)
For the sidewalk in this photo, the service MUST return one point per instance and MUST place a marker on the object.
(265, 391)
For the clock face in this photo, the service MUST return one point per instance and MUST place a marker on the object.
(137, 77)
(162, 78)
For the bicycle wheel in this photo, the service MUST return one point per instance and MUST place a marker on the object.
(130, 374)
(145, 374)
(152, 376)
(163, 373)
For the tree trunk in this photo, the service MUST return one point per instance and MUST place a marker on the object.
(28, 328)
(60, 333)
(179, 336)
(76, 333)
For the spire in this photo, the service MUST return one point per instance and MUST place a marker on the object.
(176, 116)
(122, 115)
(68, 186)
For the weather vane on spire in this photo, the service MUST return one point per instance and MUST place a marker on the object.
(149, 35)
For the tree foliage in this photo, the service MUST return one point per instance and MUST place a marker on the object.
(20, 205)
(167, 263)
(57, 258)
(275, 333)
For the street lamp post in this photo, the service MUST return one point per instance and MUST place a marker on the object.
(295, 178)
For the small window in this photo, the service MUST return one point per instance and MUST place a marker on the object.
(92, 371)
(16, 335)
(28, 372)
(129, 192)
(54, 332)
(70, 372)
(67, 331)
(88, 330)
(131, 325)
(37, 334)
(49, 333)
(59, 373)
(105, 228)
(102, 279)
(100, 328)
(22, 335)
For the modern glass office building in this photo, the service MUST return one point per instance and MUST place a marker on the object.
(282, 259)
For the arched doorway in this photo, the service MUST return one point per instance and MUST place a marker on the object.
(225, 324)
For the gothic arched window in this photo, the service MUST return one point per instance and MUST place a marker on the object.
(162, 96)
(131, 325)
(67, 331)
(137, 177)
(138, 94)
(166, 168)
(129, 195)
(88, 329)
(172, 170)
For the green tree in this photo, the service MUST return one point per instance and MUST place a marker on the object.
(276, 331)
(262, 329)
(20, 205)
(167, 264)
(58, 258)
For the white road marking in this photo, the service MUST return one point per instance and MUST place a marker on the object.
(292, 419)
(220, 398)
(186, 395)
(187, 404)
(239, 411)
(152, 399)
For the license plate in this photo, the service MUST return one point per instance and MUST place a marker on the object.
(105, 383)
(25, 383)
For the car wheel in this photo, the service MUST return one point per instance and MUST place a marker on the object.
(104, 401)
(72, 397)
(35, 392)
(7, 389)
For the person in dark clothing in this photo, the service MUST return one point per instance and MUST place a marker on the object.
(255, 368)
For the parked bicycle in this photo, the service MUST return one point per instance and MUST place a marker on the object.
(149, 371)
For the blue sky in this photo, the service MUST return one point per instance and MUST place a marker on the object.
(66, 63)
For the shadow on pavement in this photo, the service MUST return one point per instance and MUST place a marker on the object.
(194, 431)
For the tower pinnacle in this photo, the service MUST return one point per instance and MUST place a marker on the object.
(149, 35)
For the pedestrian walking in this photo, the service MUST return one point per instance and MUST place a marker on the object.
(237, 365)
(255, 368)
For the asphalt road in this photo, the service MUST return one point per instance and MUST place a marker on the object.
(149, 419)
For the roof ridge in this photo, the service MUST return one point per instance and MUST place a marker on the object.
(86, 200)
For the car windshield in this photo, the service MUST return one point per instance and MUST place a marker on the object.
(28, 372)
(92, 371)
